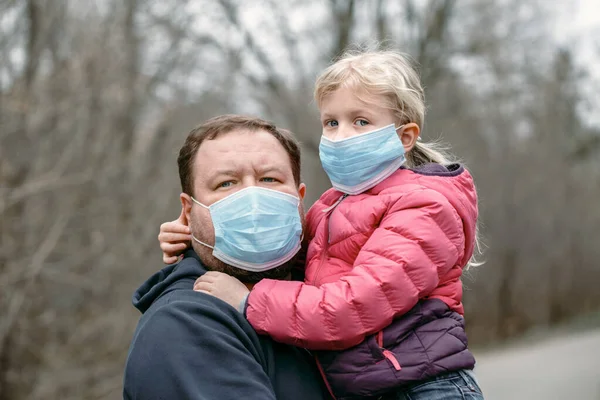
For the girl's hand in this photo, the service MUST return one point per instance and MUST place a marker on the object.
(174, 238)
(222, 286)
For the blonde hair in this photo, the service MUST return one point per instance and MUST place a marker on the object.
(391, 76)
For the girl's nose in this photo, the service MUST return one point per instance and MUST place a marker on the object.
(343, 132)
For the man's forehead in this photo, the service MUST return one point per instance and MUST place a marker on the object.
(231, 140)
(237, 149)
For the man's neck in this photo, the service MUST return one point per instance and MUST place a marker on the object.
(250, 286)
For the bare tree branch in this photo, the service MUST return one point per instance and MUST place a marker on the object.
(32, 271)
(42, 185)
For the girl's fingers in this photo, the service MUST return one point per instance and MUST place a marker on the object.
(202, 287)
(205, 278)
(171, 249)
(174, 237)
(170, 259)
(211, 275)
(174, 227)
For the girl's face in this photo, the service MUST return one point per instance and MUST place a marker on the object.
(344, 115)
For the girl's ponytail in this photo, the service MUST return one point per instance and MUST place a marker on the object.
(431, 152)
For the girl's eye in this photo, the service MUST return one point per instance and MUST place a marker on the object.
(361, 122)
(331, 123)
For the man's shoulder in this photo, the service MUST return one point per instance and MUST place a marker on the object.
(185, 331)
(189, 345)
(182, 312)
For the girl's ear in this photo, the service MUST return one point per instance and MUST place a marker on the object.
(409, 134)
(301, 191)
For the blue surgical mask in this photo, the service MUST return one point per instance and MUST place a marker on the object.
(256, 229)
(358, 163)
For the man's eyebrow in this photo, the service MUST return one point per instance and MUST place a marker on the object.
(271, 168)
(223, 172)
(217, 175)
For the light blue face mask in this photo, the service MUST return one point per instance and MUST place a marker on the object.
(256, 229)
(358, 163)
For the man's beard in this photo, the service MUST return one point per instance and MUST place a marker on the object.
(213, 264)
(281, 272)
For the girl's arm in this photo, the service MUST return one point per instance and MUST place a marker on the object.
(420, 239)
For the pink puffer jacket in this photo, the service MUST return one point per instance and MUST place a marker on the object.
(371, 257)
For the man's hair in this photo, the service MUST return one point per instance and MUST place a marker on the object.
(223, 124)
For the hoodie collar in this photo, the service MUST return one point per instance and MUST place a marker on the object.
(182, 275)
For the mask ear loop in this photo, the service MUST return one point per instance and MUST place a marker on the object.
(202, 243)
(200, 204)
(194, 237)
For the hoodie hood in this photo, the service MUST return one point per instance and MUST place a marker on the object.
(172, 276)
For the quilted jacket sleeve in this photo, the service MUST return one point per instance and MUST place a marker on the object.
(419, 239)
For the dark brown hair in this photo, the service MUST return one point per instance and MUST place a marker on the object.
(224, 124)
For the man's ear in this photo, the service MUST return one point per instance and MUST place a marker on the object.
(409, 134)
(186, 206)
(301, 191)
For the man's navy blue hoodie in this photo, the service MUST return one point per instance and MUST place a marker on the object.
(190, 345)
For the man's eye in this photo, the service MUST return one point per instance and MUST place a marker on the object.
(225, 184)
(331, 123)
(361, 122)
(268, 180)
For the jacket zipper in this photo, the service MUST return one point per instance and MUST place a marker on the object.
(327, 385)
(386, 353)
(329, 210)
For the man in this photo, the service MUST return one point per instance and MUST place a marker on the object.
(190, 345)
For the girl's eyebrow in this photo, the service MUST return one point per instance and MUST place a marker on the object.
(362, 111)
(355, 111)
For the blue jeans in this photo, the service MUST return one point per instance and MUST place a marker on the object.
(459, 385)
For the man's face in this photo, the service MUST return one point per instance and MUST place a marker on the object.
(225, 165)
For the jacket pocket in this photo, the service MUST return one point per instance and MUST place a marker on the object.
(359, 372)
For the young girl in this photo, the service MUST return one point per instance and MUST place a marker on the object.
(382, 300)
